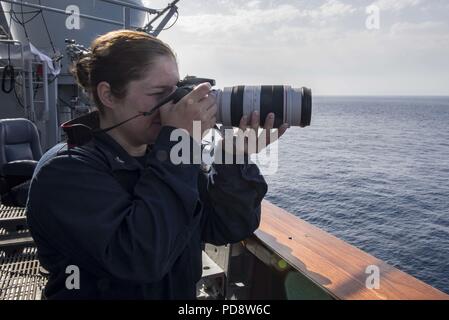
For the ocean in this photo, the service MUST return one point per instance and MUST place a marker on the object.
(374, 171)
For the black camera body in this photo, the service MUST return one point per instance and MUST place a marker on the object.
(187, 85)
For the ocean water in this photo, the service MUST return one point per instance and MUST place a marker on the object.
(374, 171)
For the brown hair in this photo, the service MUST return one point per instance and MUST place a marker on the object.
(117, 58)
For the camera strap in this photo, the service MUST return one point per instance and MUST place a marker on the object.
(80, 131)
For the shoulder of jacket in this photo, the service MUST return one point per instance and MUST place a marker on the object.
(60, 154)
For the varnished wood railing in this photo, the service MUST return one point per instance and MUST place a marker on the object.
(334, 265)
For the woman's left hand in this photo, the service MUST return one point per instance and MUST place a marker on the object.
(248, 132)
(252, 122)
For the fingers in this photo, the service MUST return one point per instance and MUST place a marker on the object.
(206, 103)
(269, 121)
(164, 110)
(283, 129)
(255, 125)
(208, 111)
(210, 114)
(272, 137)
(198, 94)
(244, 123)
(255, 121)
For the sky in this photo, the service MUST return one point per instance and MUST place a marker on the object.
(322, 44)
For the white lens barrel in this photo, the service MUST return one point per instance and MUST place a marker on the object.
(293, 106)
(290, 105)
(251, 100)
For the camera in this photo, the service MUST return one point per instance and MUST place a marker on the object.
(290, 105)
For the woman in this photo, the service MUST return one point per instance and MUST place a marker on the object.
(116, 209)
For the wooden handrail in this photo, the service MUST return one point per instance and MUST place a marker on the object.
(336, 266)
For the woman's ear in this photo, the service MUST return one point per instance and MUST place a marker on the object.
(105, 94)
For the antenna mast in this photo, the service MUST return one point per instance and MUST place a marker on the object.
(167, 13)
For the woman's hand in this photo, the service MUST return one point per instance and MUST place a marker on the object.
(198, 105)
(248, 132)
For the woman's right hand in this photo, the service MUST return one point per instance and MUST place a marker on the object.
(198, 105)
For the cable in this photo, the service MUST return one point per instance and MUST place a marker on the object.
(75, 138)
(23, 22)
(9, 71)
(46, 28)
(172, 25)
(66, 104)
(23, 16)
(176, 20)
(145, 28)
(36, 13)
(16, 20)
(25, 12)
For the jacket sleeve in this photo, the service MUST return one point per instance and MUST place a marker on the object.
(83, 211)
(231, 202)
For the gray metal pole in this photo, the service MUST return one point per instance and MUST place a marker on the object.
(164, 22)
(24, 86)
(170, 7)
(45, 89)
(126, 18)
(53, 120)
(30, 89)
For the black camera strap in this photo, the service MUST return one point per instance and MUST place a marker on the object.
(79, 134)
(176, 96)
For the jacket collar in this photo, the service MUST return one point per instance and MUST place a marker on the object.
(80, 132)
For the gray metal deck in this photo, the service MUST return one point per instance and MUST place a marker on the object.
(20, 276)
(12, 218)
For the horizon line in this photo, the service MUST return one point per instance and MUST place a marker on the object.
(382, 95)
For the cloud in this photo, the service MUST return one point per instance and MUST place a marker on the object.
(239, 20)
(426, 28)
(253, 15)
(253, 4)
(396, 5)
(287, 42)
(331, 8)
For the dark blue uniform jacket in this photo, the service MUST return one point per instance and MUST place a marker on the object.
(135, 226)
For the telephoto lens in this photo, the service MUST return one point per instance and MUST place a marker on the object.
(290, 105)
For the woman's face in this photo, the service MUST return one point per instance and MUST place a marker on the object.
(142, 96)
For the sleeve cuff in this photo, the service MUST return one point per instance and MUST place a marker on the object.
(228, 172)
